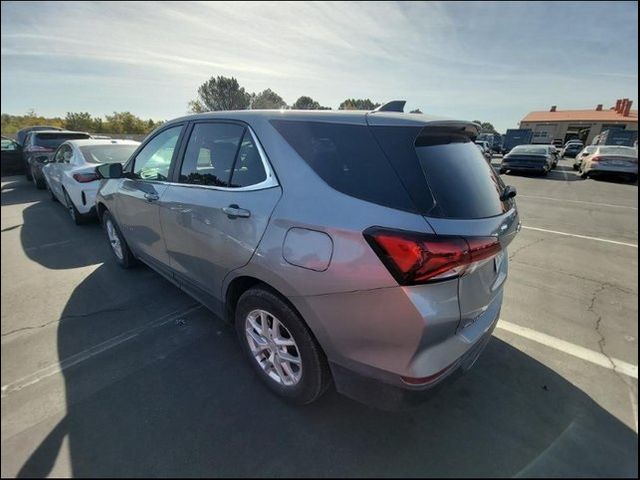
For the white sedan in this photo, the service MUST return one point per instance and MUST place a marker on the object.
(71, 176)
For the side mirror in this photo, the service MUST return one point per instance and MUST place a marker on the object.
(110, 170)
(508, 192)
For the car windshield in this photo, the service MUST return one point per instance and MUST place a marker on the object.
(530, 150)
(108, 153)
(54, 140)
(624, 151)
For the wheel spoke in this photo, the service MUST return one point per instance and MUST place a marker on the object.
(287, 357)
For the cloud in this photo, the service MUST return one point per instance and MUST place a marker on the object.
(488, 60)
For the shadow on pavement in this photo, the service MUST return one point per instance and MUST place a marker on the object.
(180, 400)
(16, 190)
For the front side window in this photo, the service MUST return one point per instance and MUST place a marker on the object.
(210, 154)
(154, 160)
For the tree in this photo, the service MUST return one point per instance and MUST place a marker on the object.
(485, 127)
(308, 103)
(358, 104)
(417, 110)
(267, 99)
(81, 121)
(124, 122)
(220, 93)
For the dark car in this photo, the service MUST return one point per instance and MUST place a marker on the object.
(12, 163)
(529, 158)
(571, 150)
(39, 147)
(22, 134)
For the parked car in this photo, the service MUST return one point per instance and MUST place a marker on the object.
(485, 148)
(611, 159)
(71, 176)
(39, 147)
(11, 159)
(588, 150)
(558, 143)
(571, 150)
(528, 158)
(22, 134)
(339, 243)
(555, 154)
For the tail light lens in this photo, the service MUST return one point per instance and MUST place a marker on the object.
(414, 258)
(596, 159)
(85, 177)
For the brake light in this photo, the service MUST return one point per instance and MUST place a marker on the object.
(596, 159)
(86, 177)
(414, 258)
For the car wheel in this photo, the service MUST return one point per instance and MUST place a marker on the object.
(280, 347)
(503, 170)
(27, 172)
(576, 167)
(119, 246)
(75, 215)
(52, 195)
(584, 174)
(39, 183)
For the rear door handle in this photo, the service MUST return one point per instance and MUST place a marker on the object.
(151, 197)
(233, 211)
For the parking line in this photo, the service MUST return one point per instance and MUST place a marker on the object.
(85, 355)
(586, 237)
(572, 349)
(556, 199)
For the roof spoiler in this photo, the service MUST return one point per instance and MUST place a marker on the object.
(392, 106)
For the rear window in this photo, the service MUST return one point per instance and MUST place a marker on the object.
(107, 153)
(54, 140)
(530, 150)
(347, 158)
(624, 151)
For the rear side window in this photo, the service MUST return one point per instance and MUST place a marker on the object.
(248, 169)
(347, 158)
(210, 153)
(444, 172)
(115, 153)
(54, 140)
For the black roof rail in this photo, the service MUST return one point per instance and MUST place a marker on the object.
(392, 106)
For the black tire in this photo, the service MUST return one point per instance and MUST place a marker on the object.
(52, 195)
(503, 171)
(27, 171)
(584, 174)
(127, 260)
(76, 216)
(38, 182)
(316, 376)
(576, 167)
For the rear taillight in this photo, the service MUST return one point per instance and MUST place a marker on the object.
(596, 159)
(86, 177)
(414, 258)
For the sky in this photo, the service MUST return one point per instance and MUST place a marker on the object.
(488, 61)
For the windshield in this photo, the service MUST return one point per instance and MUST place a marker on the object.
(107, 153)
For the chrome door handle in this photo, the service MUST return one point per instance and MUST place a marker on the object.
(151, 197)
(233, 211)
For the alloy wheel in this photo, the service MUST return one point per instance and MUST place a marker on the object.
(114, 239)
(273, 347)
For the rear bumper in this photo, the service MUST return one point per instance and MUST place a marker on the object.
(523, 167)
(380, 394)
(603, 168)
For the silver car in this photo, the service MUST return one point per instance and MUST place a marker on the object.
(611, 159)
(363, 248)
(586, 151)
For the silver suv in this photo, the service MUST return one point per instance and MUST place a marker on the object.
(367, 248)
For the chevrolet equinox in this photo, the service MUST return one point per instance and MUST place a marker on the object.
(367, 249)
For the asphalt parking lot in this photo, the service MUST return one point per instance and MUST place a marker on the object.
(107, 372)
